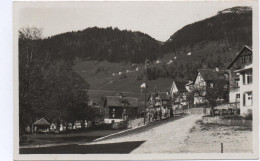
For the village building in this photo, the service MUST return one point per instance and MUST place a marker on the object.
(53, 127)
(241, 82)
(165, 99)
(205, 79)
(96, 104)
(159, 100)
(179, 94)
(159, 104)
(62, 126)
(41, 126)
(120, 108)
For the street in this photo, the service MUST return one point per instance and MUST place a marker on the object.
(176, 135)
(166, 138)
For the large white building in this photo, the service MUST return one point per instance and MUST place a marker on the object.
(241, 82)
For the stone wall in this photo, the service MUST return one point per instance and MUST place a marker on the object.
(219, 121)
(135, 123)
(128, 124)
(198, 111)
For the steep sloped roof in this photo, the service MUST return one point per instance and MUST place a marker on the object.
(212, 74)
(42, 121)
(245, 48)
(181, 86)
(164, 95)
(118, 101)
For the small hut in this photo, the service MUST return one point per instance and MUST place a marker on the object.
(41, 126)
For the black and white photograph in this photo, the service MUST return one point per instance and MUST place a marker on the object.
(139, 80)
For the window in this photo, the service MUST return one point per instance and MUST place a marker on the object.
(249, 96)
(249, 78)
(250, 59)
(237, 96)
(249, 99)
(237, 83)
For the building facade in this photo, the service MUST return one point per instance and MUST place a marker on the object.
(119, 108)
(179, 94)
(241, 81)
(206, 80)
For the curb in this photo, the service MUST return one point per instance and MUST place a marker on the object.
(101, 138)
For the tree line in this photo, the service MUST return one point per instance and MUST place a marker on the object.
(47, 88)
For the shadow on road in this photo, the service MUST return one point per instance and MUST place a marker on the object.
(116, 148)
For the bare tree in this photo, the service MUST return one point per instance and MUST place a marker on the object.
(30, 33)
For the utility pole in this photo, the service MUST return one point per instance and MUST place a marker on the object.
(146, 65)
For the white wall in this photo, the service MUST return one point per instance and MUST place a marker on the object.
(109, 121)
(233, 96)
(244, 89)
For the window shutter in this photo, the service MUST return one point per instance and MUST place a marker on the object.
(243, 78)
(244, 99)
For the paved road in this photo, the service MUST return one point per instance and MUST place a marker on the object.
(166, 138)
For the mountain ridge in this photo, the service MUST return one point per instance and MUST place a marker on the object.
(96, 53)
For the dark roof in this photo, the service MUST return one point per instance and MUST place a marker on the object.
(117, 101)
(95, 101)
(238, 55)
(164, 95)
(211, 74)
(181, 86)
(42, 121)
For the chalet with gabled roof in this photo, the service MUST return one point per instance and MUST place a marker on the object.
(208, 78)
(179, 93)
(241, 81)
(119, 108)
(242, 59)
(41, 126)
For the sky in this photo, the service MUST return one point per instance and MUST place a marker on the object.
(157, 19)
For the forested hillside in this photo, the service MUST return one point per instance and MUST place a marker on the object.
(99, 44)
(233, 28)
(209, 43)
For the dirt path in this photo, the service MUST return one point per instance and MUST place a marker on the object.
(166, 138)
